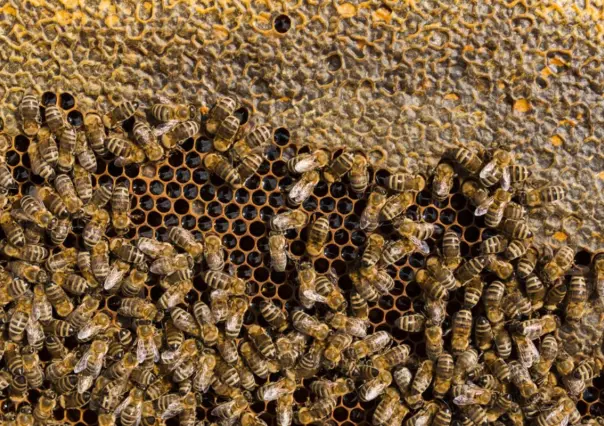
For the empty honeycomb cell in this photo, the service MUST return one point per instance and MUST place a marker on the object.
(190, 191)
(183, 175)
(341, 237)
(590, 394)
(21, 174)
(339, 266)
(465, 218)
(424, 198)
(281, 135)
(175, 159)
(471, 234)
(321, 265)
(337, 189)
(447, 216)
(75, 118)
(12, 158)
(345, 206)
(221, 225)
(204, 223)
(154, 219)
(298, 247)
(193, 160)
(242, 114)
(582, 258)
(349, 254)
(48, 99)
(66, 101)
(249, 212)
(146, 202)
(416, 260)
(163, 204)
(166, 173)
(171, 220)
(173, 190)
(200, 176)
(21, 143)
(279, 168)
(203, 145)
(139, 186)
(253, 182)
(458, 201)
(310, 204)
(181, 206)
(276, 200)
(430, 215)
(321, 189)
(225, 194)
(239, 227)
(207, 192)
(266, 213)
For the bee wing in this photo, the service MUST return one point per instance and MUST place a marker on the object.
(506, 179)
(487, 170)
(484, 207)
(122, 405)
(168, 357)
(172, 410)
(420, 245)
(35, 332)
(463, 399)
(300, 191)
(115, 276)
(82, 363)
(305, 165)
(84, 383)
(141, 351)
(164, 128)
(89, 330)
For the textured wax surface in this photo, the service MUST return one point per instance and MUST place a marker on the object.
(414, 78)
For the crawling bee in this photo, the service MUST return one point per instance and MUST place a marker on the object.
(359, 173)
(29, 109)
(54, 119)
(371, 214)
(167, 112)
(144, 137)
(317, 236)
(494, 207)
(220, 167)
(249, 165)
(84, 154)
(339, 167)
(443, 181)
(120, 207)
(277, 245)
(292, 219)
(542, 196)
(224, 107)
(179, 133)
(66, 190)
(416, 230)
(252, 140)
(37, 213)
(472, 190)
(118, 146)
(213, 251)
(95, 133)
(559, 265)
(225, 133)
(467, 159)
(396, 250)
(395, 206)
(47, 147)
(82, 181)
(186, 240)
(302, 189)
(401, 182)
(120, 113)
(497, 170)
(95, 228)
(307, 162)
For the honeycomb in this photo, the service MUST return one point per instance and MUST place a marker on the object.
(412, 78)
(180, 191)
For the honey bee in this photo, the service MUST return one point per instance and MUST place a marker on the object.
(168, 112)
(514, 211)
(251, 140)
(419, 231)
(254, 360)
(370, 344)
(444, 177)
(230, 409)
(153, 248)
(118, 146)
(494, 207)
(224, 107)
(577, 298)
(470, 269)
(386, 407)
(433, 335)
(317, 236)
(85, 154)
(359, 174)
(204, 375)
(81, 316)
(483, 334)
(94, 326)
(373, 388)
(559, 265)
(272, 391)
(516, 249)
(225, 133)
(66, 190)
(461, 330)
(67, 146)
(441, 274)
(145, 139)
(95, 133)
(222, 281)
(598, 267)
(516, 229)
(467, 159)
(59, 328)
(145, 346)
(284, 410)
(186, 240)
(29, 109)
(307, 293)
(318, 411)
(542, 196)
(396, 250)
(376, 278)
(41, 307)
(185, 321)
(522, 380)
(303, 188)
(451, 251)
(19, 319)
(249, 166)
(535, 291)
(401, 182)
(421, 382)
(336, 344)
(498, 367)
(412, 323)
(391, 358)
(373, 250)
(237, 309)
(472, 190)
(120, 113)
(13, 231)
(291, 219)
(178, 133)
(371, 214)
(394, 207)
(45, 406)
(90, 365)
(328, 289)
(527, 352)
(83, 183)
(493, 245)
(54, 119)
(130, 410)
(338, 167)
(503, 343)
(277, 245)
(39, 166)
(27, 271)
(220, 167)
(99, 261)
(350, 325)
(47, 147)
(137, 308)
(273, 315)
(170, 265)
(59, 299)
(310, 326)
(306, 162)
(37, 213)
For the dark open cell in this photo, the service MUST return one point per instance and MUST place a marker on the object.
(465, 218)
(381, 176)
(266, 213)
(321, 266)
(351, 222)
(181, 206)
(208, 192)
(331, 251)
(272, 152)
(349, 254)
(276, 200)
(49, 98)
(204, 223)
(597, 410)
(242, 195)
(249, 212)
(259, 198)
(257, 228)
(298, 247)
(321, 189)
(231, 211)
(310, 204)
(145, 231)
(239, 227)
(115, 170)
(203, 145)
(183, 175)
(139, 186)
(327, 204)
(20, 174)
(430, 214)
(341, 236)
(171, 220)
(358, 238)
(590, 394)
(193, 160)
(225, 194)
(253, 182)
(269, 183)
(376, 316)
(458, 201)
(386, 302)
(176, 159)
(279, 168)
(154, 219)
(200, 176)
(137, 216)
(166, 173)
(156, 187)
(447, 216)
(229, 241)
(242, 114)
(75, 118)
(21, 143)
(582, 258)
(173, 190)
(221, 225)
(338, 190)
(187, 145)
(285, 182)
(285, 292)
(214, 209)
(73, 415)
(413, 289)
(146, 202)
(471, 234)
(424, 198)
(281, 135)
(237, 257)
(345, 205)
(190, 191)
(479, 221)
(188, 222)
(163, 204)
(66, 101)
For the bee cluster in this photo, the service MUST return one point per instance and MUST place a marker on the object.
(167, 325)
